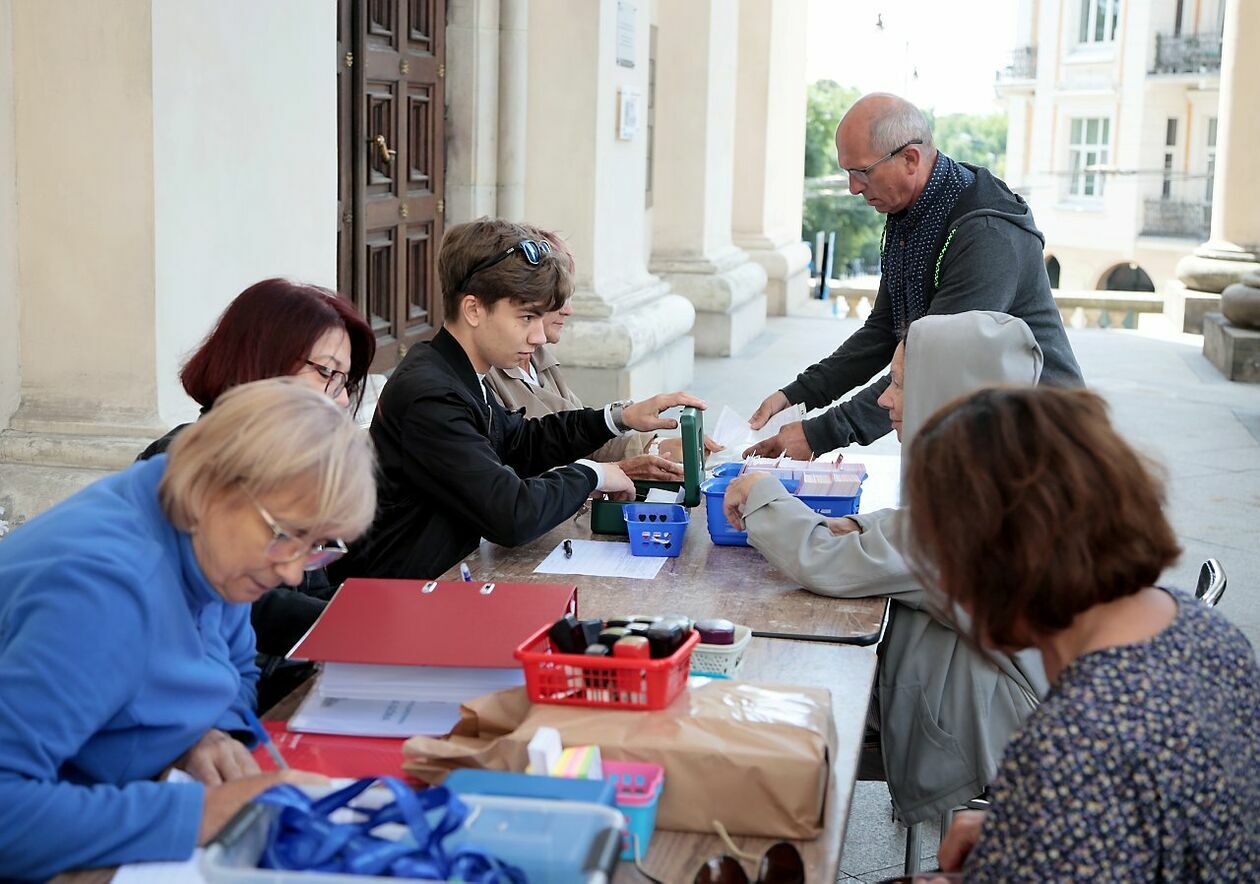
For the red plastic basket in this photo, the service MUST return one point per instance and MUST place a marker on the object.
(613, 682)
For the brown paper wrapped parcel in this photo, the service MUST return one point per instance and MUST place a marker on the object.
(755, 757)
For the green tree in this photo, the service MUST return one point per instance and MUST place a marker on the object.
(826, 103)
(979, 139)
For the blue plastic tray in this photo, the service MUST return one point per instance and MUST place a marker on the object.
(720, 530)
(656, 529)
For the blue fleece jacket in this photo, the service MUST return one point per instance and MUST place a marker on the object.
(116, 656)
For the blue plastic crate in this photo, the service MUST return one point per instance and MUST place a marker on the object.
(656, 529)
(720, 530)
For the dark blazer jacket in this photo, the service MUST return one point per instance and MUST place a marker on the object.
(455, 467)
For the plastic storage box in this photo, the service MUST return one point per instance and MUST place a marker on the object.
(614, 682)
(547, 840)
(724, 660)
(638, 786)
(656, 529)
(606, 515)
(714, 490)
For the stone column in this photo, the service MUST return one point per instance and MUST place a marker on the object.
(1233, 250)
(513, 100)
(629, 337)
(770, 148)
(156, 177)
(696, 71)
(474, 46)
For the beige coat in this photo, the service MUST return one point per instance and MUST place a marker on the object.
(554, 395)
(946, 710)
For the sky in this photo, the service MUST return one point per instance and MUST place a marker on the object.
(955, 45)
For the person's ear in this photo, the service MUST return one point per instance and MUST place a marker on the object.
(472, 310)
(914, 156)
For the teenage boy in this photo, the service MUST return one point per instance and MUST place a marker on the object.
(454, 466)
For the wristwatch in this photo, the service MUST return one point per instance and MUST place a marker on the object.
(615, 410)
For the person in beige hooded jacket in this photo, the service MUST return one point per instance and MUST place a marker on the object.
(945, 709)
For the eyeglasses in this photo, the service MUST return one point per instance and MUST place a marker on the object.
(284, 547)
(864, 175)
(532, 250)
(334, 381)
(780, 864)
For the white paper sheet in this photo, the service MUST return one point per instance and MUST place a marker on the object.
(734, 435)
(426, 684)
(594, 558)
(660, 495)
(373, 718)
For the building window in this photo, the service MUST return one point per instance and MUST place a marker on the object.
(1089, 150)
(1170, 142)
(1098, 21)
(1211, 159)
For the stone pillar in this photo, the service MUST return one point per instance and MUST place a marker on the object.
(156, 177)
(513, 101)
(770, 148)
(473, 80)
(1233, 250)
(696, 72)
(629, 337)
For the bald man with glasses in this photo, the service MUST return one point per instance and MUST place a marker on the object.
(955, 239)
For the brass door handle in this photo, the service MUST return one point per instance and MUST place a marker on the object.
(383, 149)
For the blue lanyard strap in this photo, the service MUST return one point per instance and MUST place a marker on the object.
(302, 837)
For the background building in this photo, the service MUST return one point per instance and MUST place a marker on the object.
(1113, 116)
(159, 157)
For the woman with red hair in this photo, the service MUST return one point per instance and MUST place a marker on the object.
(279, 328)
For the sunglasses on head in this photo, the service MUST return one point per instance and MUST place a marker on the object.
(532, 250)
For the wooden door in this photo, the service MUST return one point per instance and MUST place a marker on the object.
(391, 161)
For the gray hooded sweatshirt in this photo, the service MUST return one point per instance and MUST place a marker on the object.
(946, 710)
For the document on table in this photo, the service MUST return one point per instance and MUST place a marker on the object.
(594, 558)
(734, 435)
(321, 714)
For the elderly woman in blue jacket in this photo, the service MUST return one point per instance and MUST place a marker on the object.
(125, 641)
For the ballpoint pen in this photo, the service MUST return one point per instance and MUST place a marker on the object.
(265, 738)
(568, 549)
(464, 573)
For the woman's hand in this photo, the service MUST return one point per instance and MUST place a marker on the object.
(225, 800)
(843, 525)
(217, 758)
(962, 836)
(672, 447)
(737, 495)
(651, 468)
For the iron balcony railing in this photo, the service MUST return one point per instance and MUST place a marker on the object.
(1177, 218)
(1187, 54)
(1023, 65)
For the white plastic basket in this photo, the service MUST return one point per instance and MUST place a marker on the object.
(722, 659)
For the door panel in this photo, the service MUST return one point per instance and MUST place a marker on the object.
(397, 147)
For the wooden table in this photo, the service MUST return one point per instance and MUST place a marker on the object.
(849, 673)
(735, 582)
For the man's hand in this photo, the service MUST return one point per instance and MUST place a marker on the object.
(223, 801)
(737, 495)
(790, 440)
(843, 525)
(651, 468)
(217, 758)
(774, 403)
(672, 447)
(962, 836)
(617, 485)
(646, 415)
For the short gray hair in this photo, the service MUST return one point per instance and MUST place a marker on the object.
(901, 123)
(275, 435)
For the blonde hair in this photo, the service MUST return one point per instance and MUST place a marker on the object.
(275, 435)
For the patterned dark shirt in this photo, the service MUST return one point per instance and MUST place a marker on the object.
(1142, 764)
(911, 236)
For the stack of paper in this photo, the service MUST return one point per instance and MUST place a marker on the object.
(369, 700)
(734, 435)
(400, 656)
